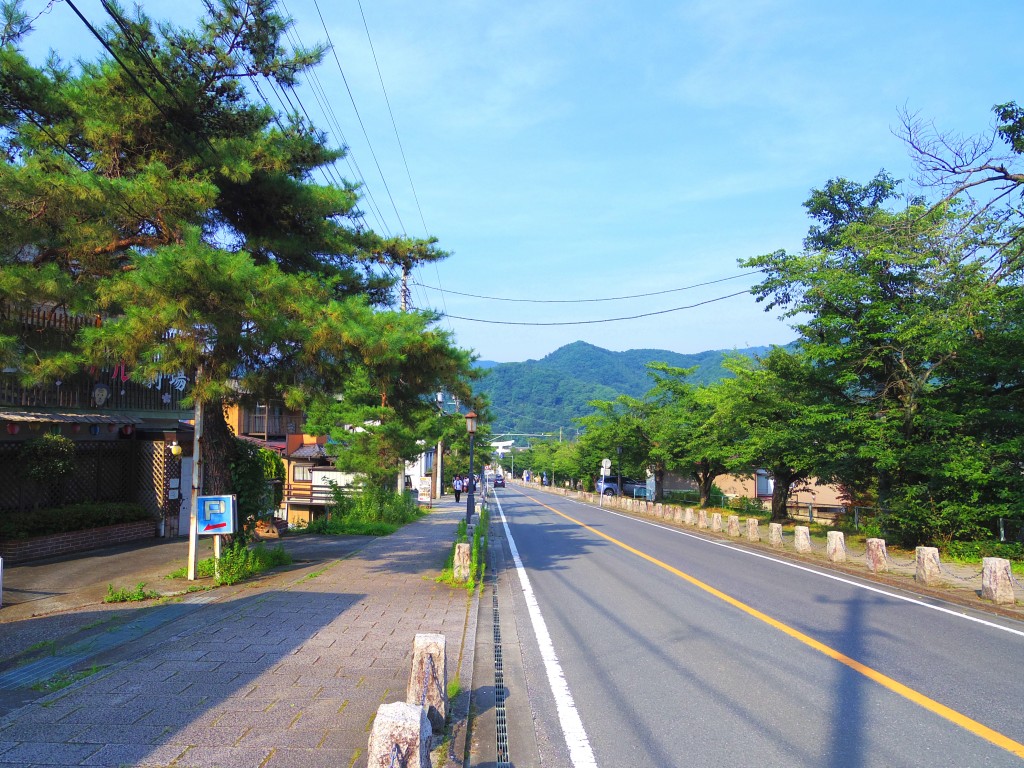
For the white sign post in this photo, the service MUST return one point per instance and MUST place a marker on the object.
(606, 465)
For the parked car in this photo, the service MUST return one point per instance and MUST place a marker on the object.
(609, 485)
(499, 481)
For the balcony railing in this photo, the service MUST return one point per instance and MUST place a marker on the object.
(96, 390)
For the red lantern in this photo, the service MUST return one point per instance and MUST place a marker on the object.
(111, 427)
(126, 430)
(12, 429)
(76, 428)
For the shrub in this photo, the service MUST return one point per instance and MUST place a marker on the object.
(368, 512)
(73, 517)
(48, 459)
(975, 550)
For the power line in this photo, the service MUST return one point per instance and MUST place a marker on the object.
(605, 320)
(359, 117)
(586, 301)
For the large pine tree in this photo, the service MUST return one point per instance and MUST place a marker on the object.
(153, 188)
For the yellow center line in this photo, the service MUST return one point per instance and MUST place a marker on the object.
(982, 731)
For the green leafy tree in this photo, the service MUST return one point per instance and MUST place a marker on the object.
(887, 304)
(794, 427)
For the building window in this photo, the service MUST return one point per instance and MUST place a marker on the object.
(302, 473)
(764, 483)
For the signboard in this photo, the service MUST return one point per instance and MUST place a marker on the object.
(216, 514)
(606, 464)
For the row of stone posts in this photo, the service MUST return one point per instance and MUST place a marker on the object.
(997, 577)
(402, 731)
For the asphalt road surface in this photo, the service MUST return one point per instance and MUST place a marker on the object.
(629, 643)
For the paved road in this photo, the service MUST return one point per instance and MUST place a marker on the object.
(680, 650)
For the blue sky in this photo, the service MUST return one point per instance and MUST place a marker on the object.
(569, 150)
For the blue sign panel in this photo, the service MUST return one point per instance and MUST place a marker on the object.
(216, 514)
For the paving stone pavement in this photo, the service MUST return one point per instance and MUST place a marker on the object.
(287, 672)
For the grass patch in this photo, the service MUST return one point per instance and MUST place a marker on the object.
(370, 512)
(47, 646)
(126, 595)
(64, 679)
(477, 553)
(237, 563)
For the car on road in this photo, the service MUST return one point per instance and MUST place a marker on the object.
(499, 481)
(609, 486)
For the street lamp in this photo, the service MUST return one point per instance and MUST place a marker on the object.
(471, 429)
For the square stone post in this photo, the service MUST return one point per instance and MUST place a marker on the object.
(716, 522)
(677, 516)
(835, 547)
(997, 581)
(428, 680)
(927, 571)
(775, 534)
(463, 561)
(753, 529)
(688, 516)
(403, 729)
(878, 561)
(802, 538)
(734, 525)
(702, 518)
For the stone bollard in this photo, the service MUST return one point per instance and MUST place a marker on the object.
(878, 561)
(688, 516)
(775, 534)
(403, 728)
(463, 561)
(734, 525)
(802, 538)
(428, 680)
(997, 581)
(928, 571)
(677, 516)
(835, 547)
(659, 511)
(702, 518)
(716, 522)
(753, 529)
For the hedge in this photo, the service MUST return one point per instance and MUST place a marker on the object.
(73, 517)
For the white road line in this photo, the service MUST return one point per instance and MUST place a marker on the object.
(816, 572)
(572, 727)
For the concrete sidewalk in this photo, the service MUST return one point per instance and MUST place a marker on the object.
(285, 670)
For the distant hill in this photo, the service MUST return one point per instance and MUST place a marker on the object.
(543, 395)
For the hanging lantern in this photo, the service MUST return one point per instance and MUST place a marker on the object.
(76, 428)
(126, 430)
(111, 427)
(12, 429)
(94, 429)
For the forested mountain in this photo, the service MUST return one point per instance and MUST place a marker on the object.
(547, 394)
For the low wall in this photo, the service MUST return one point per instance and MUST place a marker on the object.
(21, 550)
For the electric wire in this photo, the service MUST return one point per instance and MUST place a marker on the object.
(401, 149)
(359, 117)
(603, 320)
(608, 298)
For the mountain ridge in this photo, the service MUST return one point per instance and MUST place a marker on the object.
(545, 395)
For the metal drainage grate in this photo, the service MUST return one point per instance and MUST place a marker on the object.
(501, 723)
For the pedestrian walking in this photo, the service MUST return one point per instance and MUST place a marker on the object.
(457, 487)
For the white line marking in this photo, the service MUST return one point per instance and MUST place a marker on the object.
(568, 717)
(816, 572)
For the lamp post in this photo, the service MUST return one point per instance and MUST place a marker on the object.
(471, 429)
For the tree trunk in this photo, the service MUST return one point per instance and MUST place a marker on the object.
(780, 498)
(218, 450)
(659, 483)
